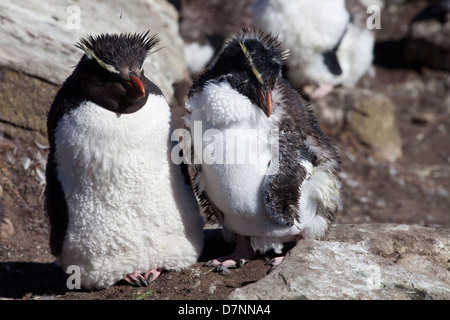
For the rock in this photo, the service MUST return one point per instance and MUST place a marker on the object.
(419, 249)
(423, 117)
(429, 44)
(447, 104)
(361, 262)
(369, 115)
(37, 51)
(6, 226)
(372, 119)
(330, 111)
(24, 102)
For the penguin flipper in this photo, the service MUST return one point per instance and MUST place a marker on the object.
(212, 213)
(281, 190)
(56, 208)
(331, 61)
(192, 173)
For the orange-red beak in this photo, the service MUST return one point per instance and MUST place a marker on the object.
(265, 101)
(137, 83)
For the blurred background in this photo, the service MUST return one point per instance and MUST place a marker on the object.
(391, 126)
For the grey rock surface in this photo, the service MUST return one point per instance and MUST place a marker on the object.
(361, 262)
(369, 115)
(37, 51)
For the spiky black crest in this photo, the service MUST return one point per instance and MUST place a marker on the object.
(113, 50)
(270, 42)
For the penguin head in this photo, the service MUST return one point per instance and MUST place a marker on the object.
(111, 70)
(251, 62)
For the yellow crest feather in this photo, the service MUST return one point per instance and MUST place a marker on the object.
(250, 61)
(91, 54)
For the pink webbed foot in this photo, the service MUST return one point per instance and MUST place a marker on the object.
(139, 280)
(241, 255)
(318, 92)
(275, 262)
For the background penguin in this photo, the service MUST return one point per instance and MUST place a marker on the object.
(237, 106)
(327, 48)
(206, 25)
(118, 207)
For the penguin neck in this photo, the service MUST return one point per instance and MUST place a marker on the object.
(222, 105)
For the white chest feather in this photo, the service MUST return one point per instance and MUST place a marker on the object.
(235, 148)
(105, 158)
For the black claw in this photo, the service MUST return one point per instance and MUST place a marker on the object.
(136, 283)
(142, 282)
(222, 268)
(150, 279)
(210, 264)
(242, 262)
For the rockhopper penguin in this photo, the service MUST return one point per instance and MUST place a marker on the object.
(117, 205)
(327, 48)
(263, 166)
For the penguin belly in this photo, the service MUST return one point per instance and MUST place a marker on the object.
(119, 189)
(234, 182)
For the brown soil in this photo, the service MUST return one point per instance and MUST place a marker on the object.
(414, 190)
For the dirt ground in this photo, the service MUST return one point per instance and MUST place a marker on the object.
(413, 190)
